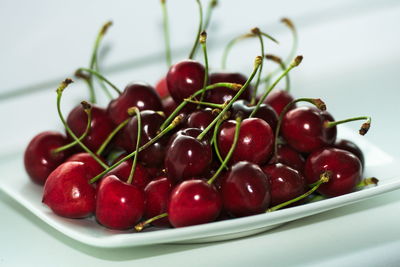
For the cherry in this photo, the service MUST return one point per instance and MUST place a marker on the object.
(200, 119)
(101, 125)
(92, 165)
(286, 183)
(221, 95)
(351, 147)
(278, 99)
(141, 177)
(193, 202)
(290, 157)
(39, 158)
(264, 112)
(184, 79)
(245, 190)
(157, 194)
(344, 167)
(162, 88)
(187, 156)
(169, 105)
(119, 205)
(255, 143)
(140, 95)
(67, 191)
(304, 129)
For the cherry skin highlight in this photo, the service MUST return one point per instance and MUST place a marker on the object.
(93, 166)
(351, 147)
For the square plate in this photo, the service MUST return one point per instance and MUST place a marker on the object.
(17, 185)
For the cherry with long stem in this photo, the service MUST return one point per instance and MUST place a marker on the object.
(59, 91)
(138, 140)
(167, 42)
(194, 48)
(364, 127)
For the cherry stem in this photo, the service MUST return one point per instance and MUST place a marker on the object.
(111, 136)
(292, 65)
(59, 91)
(140, 226)
(194, 48)
(230, 45)
(282, 65)
(315, 101)
(168, 59)
(214, 139)
(257, 63)
(203, 42)
(230, 152)
(173, 124)
(324, 178)
(138, 139)
(102, 85)
(364, 127)
(101, 77)
(368, 181)
(257, 32)
(88, 110)
(209, 104)
(210, 8)
(233, 86)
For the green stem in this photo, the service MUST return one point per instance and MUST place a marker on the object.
(254, 94)
(210, 8)
(292, 65)
(203, 42)
(364, 127)
(174, 123)
(166, 33)
(367, 181)
(295, 41)
(194, 48)
(98, 75)
(60, 90)
(138, 139)
(209, 104)
(101, 82)
(140, 226)
(230, 152)
(111, 136)
(257, 63)
(282, 65)
(215, 140)
(323, 179)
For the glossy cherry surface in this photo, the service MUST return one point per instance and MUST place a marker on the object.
(351, 147)
(255, 143)
(140, 178)
(345, 168)
(92, 165)
(245, 190)
(39, 160)
(137, 94)
(193, 202)
(278, 99)
(286, 183)
(119, 205)
(303, 129)
(200, 119)
(290, 157)
(221, 95)
(162, 88)
(67, 191)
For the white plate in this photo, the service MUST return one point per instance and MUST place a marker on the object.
(16, 184)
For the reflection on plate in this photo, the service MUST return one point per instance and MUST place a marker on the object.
(16, 184)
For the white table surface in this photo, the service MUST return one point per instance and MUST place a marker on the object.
(351, 60)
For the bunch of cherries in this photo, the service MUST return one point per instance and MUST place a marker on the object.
(198, 147)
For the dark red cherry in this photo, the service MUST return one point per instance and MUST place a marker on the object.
(245, 190)
(151, 121)
(101, 125)
(303, 129)
(286, 183)
(193, 202)
(345, 168)
(157, 194)
(140, 178)
(162, 88)
(187, 156)
(265, 112)
(352, 147)
(67, 191)
(184, 79)
(255, 142)
(290, 157)
(119, 205)
(169, 105)
(93, 166)
(39, 160)
(278, 99)
(137, 94)
(200, 119)
(221, 95)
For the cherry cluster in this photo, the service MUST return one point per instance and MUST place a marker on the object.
(198, 147)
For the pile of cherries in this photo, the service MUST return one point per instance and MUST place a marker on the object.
(208, 149)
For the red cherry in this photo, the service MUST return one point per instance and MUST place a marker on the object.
(119, 205)
(67, 191)
(351, 147)
(200, 119)
(39, 160)
(290, 157)
(345, 168)
(193, 202)
(286, 183)
(169, 105)
(162, 88)
(245, 190)
(157, 194)
(140, 95)
(101, 125)
(187, 156)
(140, 178)
(184, 79)
(93, 166)
(278, 99)
(255, 142)
(303, 129)
(221, 95)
